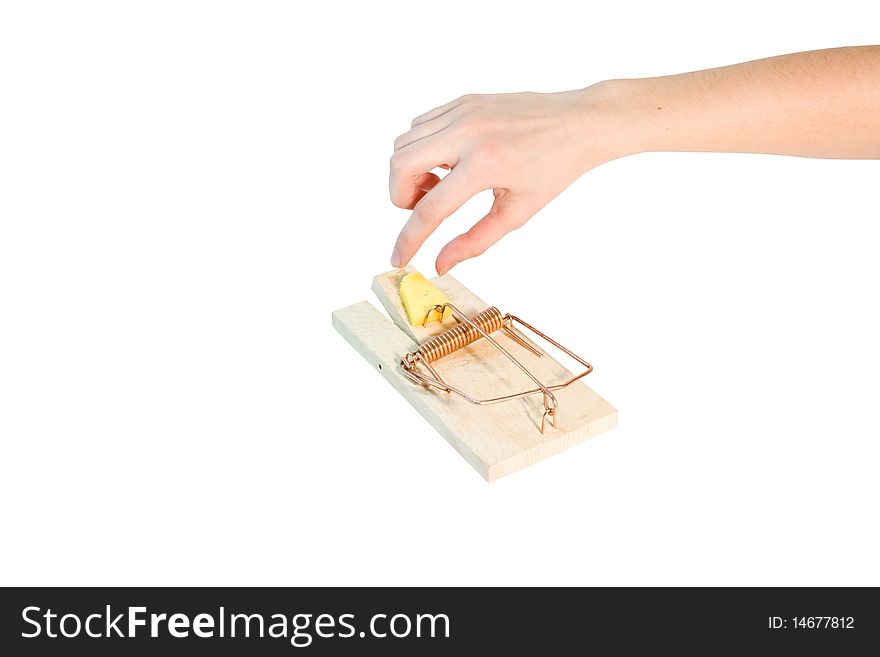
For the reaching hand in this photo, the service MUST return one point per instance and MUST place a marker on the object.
(526, 147)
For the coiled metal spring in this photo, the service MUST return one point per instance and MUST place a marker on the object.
(460, 335)
(468, 330)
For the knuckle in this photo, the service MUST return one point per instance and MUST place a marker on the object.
(396, 162)
(472, 246)
(399, 202)
(472, 123)
(428, 209)
(401, 141)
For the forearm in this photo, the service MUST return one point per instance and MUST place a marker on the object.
(529, 147)
(823, 103)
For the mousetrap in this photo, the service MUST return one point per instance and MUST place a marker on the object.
(477, 376)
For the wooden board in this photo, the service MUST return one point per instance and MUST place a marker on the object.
(497, 439)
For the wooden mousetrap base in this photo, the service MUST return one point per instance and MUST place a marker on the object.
(496, 439)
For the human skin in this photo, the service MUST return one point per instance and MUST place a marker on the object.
(528, 147)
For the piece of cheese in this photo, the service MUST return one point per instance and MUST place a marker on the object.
(418, 295)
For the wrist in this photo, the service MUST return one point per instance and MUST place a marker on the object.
(619, 118)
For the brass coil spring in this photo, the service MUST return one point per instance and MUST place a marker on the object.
(460, 335)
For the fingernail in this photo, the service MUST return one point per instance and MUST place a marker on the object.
(396, 259)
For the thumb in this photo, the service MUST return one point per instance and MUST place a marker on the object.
(506, 215)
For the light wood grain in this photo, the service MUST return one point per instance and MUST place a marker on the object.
(381, 343)
(386, 288)
(497, 439)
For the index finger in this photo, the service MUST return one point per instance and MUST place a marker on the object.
(448, 196)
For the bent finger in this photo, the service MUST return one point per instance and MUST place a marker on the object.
(409, 166)
(503, 218)
(447, 197)
(424, 130)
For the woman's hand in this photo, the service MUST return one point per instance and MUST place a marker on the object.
(526, 147)
(529, 147)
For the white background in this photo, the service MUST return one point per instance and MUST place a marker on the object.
(187, 190)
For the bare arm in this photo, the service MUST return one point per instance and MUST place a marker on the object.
(529, 147)
(824, 103)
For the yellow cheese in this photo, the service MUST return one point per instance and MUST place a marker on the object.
(418, 295)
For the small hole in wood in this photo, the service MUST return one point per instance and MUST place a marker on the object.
(380, 366)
